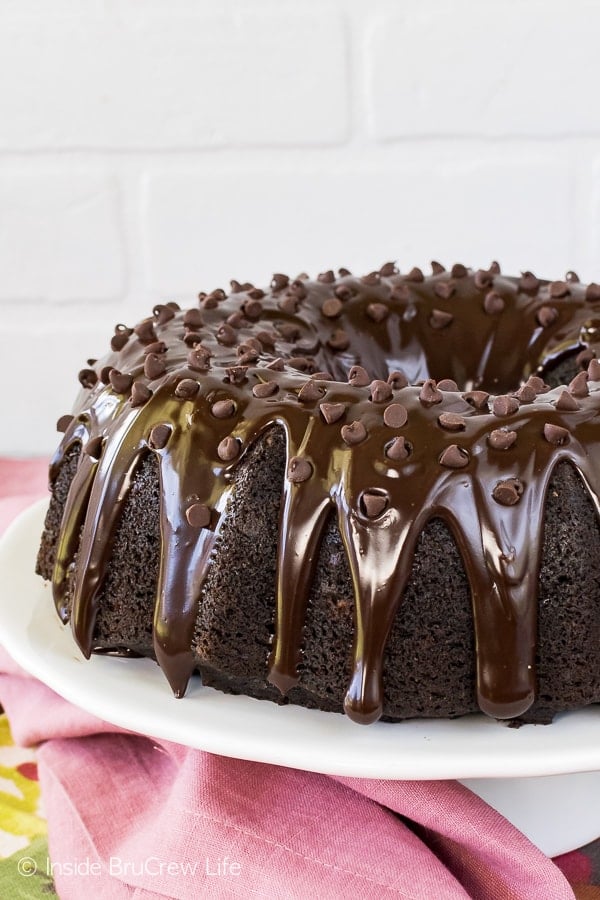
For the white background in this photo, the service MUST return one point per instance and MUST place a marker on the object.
(151, 150)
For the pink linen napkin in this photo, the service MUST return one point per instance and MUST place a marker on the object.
(132, 817)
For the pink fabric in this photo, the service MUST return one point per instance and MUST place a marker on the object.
(131, 817)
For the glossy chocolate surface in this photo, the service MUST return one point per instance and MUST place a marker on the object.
(409, 435)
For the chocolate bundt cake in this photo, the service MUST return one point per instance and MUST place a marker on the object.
(376, 494)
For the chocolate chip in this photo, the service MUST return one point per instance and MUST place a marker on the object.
(578, 386)
(372, 279)
(87, 378)
(193, 319)
(302, 363)
(265, 389)
(353, 433)
(253, 309)
(451, 422)
(163, 314)
(594, 370)
(226, 335)
(105, 374)
(145, 332)
(289, 305)
(198, 515)
(307, 345)
(483, 279)
(526, 394)
(93, 448)
(584, 358)
(395, 415)
(339, 340)
(447, 384)
(555, 434)
(228, 449)
(388, 269)
(528, 283)
(223, 409)
(323, 376)
(159, 437)
(186, 389)
(437, 268)
(277, 365)
(508, 492)
(454, 457)
(64, 422)
(326, 277)
(198, 359)
(332, 412)
(343, 272)
(289, 331)
(592, 292)
(429, 393)
(440, 319)
(299, 469)
(358, 377)
(380, 391)
(398, 449)
(156, 347)
(567, 402)
(415, 275)
(504, 405)
(279, 281)
(546, 316)
(267, 339)
(236, 287)
(397, 379)
(154, 366)
(558, 289)
(400, 292)
(120, 382)
(140, 394)
(493, 303)
(572, 277)
(249, 357)
(236, 374)
(494, 267)
(377, 312)
(120, 337)
(444, 289)
(538, 384)
(236, 319)
(298, 288)
(502, 438)
(310, 392)
(256, 293)
(459, 271)
(478, 399)
(372, 504)
(344, 292)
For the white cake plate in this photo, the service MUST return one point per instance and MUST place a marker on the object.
(543, 778)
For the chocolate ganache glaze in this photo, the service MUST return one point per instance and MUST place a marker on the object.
(403, 398)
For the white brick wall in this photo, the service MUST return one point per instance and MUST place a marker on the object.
(151, 150)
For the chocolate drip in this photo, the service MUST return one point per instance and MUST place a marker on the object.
(198, 391)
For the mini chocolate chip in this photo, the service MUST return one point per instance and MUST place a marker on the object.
(323, 376)
(437, 268)
(452, 422)
(163, 314)
(377, 312)
(256, 293)
(186, 389)
(380, 391)
(344, 292)
(567, 402)
(64, 422)
(483, 279)
(415, 275)
(494, 267)
(526, 393)
(140, 394)
(279, 281)
(339, 340)
(87, 378)
(327, 277)
(594, 370)
(546, 316)
(508, 491)
(429, 393)
(299, 469)
(372, 504)
(397, 379)
(249, 357)
(301, 363)
(353, 433)
(198, 515)
(332, 412)
(265, 389)
(223, 409)
(555, 434)
(120, 382)
(528, 283)
(253, 309)
(145, 332)
(388, 269)
(236, 319)
(447, 384)
(236, 287)
(192, 338)
(444, 289)
(572, 277)
(228, 449)
(454, 457)
(267, 339)
(289, 331)
(558, 289)
(298, 289)
(584, 358)
(277, 365)
(226, 335)
(154, 366)
(459, 271)
(372, 279)
(538, 384)
(289, 304)
(159, 436)
(398, 449)
(120, 337)
(395, 415)
(156, 347)
(493, 303)
(236, 374)
(578, 386)
(105, 374)
(478, 399)
(343, 272)
(400, 292)
(502, 438)
(358, 377)
(198, 359)
(504, 405)
(310, 392)
(440, 319)
(193, 318)
(93, 448)
(592, 292)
